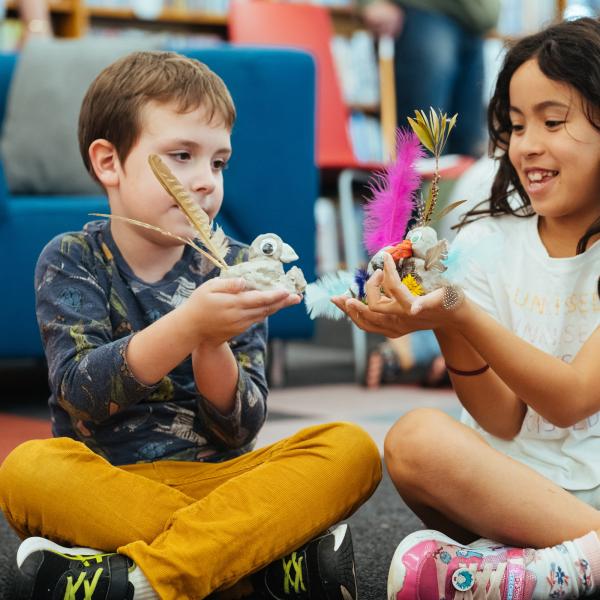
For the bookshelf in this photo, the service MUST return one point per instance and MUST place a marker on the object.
(72, 18)
(167, 16)
(68, 16)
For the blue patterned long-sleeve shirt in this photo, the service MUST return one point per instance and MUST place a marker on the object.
(89, 304)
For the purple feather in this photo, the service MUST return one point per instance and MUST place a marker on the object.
(360, 279)
(394, 194)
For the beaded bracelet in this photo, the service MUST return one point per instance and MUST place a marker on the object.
(467, 373)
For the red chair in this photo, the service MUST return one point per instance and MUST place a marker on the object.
(308, 27)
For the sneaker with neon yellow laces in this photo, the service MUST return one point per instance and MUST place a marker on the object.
(323, 569)
(428, 565)
(49, 571)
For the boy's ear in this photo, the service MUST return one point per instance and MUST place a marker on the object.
(105, 162)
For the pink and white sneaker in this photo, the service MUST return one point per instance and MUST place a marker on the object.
(428, 565)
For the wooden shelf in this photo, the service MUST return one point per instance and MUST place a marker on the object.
(57, 6)
(369, 109)
(168, 15)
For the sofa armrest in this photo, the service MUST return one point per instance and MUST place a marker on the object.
(3, 194)
(7, 65)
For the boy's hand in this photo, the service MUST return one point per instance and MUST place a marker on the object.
(221, 309)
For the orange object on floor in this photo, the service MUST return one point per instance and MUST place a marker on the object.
(15, 429)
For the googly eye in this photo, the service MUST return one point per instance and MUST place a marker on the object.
(267, 246)
(415, 236)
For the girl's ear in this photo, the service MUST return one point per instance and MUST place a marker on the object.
(105, 162)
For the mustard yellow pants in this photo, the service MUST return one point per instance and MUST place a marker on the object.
(192, 527)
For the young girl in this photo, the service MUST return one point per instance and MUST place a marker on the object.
(521, 344)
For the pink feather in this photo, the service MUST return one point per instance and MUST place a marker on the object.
(393, 195)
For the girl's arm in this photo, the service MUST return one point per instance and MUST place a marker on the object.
(503, 417)
(563, 393)
(487, 398)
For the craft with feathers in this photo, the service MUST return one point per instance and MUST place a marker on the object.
(420, 257)
(267, 253)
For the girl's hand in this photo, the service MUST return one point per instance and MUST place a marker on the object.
(430, 311)
(391, 310)
(389, 325)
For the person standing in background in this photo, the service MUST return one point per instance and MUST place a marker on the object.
(439, 59)
(36, 18)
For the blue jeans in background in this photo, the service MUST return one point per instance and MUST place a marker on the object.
(439, 63)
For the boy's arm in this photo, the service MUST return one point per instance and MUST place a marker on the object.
(233, 393)
(88, 373)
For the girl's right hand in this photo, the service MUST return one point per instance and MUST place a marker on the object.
(389, 325)
(221, 309)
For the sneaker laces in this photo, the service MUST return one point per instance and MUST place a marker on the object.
(487, 582)
(89, 586)
(295, 580)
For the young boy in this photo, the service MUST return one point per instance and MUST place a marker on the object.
(158, 387)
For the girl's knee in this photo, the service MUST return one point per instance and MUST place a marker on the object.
(414, 441)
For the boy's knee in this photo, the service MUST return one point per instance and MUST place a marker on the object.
(18, 467)
(354, 445)
(27, 465)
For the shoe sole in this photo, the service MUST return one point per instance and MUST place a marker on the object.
(397, 572)
(343, 543)
(339, 533)
(33, 544)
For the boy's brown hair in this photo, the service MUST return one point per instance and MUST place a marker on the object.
(112, 106)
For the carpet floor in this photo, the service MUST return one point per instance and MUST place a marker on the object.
(377, 528)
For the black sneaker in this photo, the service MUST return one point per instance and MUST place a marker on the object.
(321, 570)
(47, 570)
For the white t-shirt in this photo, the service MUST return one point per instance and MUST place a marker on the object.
(551, 303)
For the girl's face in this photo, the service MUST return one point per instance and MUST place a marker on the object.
(553, 147)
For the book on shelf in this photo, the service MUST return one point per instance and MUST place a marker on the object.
(356, 66)
(166, 39)
(141, 7)
(366, 137)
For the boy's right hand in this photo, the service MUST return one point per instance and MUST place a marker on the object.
(221, 309)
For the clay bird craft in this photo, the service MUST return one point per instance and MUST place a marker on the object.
(264, 268)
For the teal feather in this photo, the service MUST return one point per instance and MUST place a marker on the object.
(317, 295)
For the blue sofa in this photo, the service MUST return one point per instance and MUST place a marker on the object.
(270, 185)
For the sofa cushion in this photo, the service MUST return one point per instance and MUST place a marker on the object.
(39, 144)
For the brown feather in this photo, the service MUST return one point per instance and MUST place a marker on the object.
(435, 255)
(163, 231)
(199, 220)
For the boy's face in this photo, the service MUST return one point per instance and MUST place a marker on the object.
(194, 150)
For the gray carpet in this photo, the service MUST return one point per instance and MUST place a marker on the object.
(377, 527)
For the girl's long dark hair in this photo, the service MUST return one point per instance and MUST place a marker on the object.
(568, 52)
